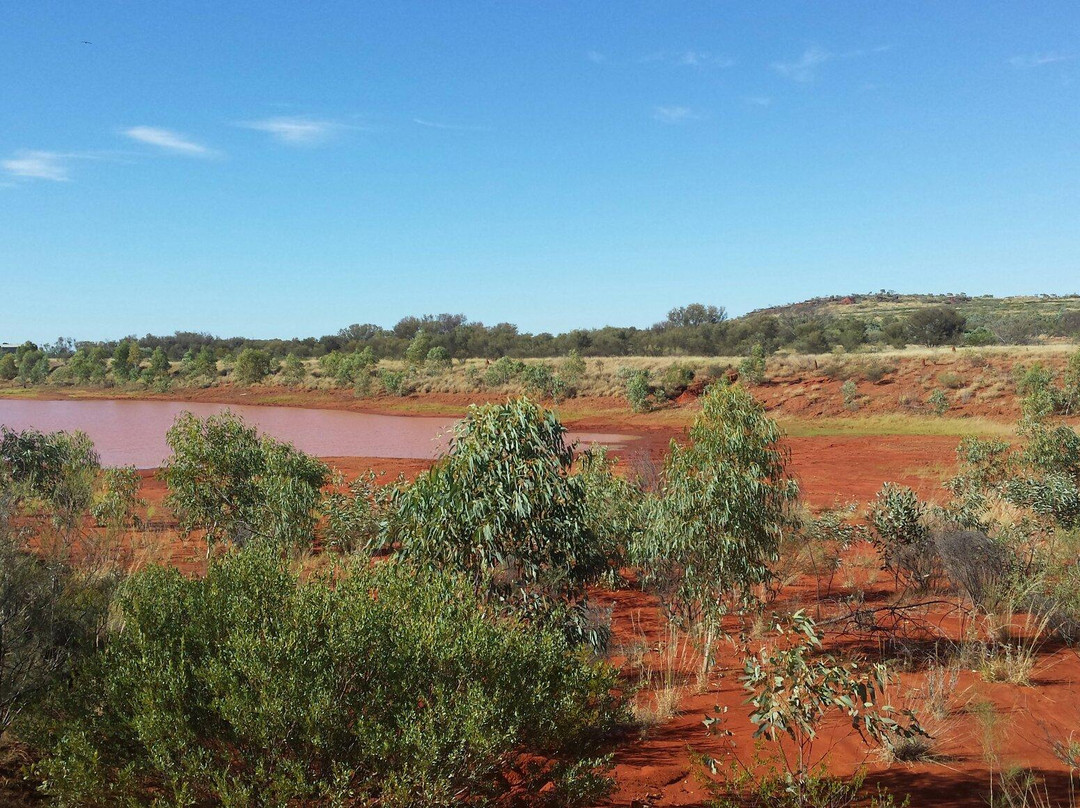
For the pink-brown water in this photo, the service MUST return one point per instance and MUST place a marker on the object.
(133, 432)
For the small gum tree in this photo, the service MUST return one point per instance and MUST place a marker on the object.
(724, 503)
(503, 508)
(227, 481)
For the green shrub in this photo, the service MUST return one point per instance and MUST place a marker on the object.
(50, 616)
(850, 393)
(725, 501)
(293, 372)
(950, 379)
(503, 508)
(437, 361)
(9, 368)
(503, 371)
(118, 501)
(638, 388)
(939, 402)
(396, 382)
(752, 368)
(252, 366)
(675, 379)
(898, 519)
(383, 686)
(227, 481)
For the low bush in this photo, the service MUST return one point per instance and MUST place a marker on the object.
(503, 508)
(383, 686)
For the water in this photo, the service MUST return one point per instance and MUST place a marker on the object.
(133, 432)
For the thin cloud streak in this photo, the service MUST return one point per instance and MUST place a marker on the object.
(688, 58)
(449, 127)
(675, 114)
(1040, 59)
(168, 140)
(804, 69)
(296, 131)
(37, 165)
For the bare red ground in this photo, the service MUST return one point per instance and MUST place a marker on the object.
(657, 767)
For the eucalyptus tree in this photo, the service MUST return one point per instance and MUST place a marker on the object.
(725, 501)
(235, 486)
(503, 508)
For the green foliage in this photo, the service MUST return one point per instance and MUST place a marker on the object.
(227, 481)
(939, 402)
(418, 349)
(121, 362)
(438, 361)
(503, 508)
(792, 688)
(54, 471)
(503, 371)
(675, 379)
(118, 501)
(572, 368)
(850, 393)
(725, 501)
(396, 382)
(49, 618)
(898, 520)
(200, 367)
(638, 388)
(355, 514)
(159, 367)
(752, 368)
(293, 373)
(9, 368)
(33, 368)
(1070, 387)
(349, 369)
(936, 325)
(539, 380)
(385, 686)
(252, 366)
(614, 507)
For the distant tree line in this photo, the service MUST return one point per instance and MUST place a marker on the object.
(693, 330)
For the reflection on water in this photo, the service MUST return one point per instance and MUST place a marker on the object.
(133, 432)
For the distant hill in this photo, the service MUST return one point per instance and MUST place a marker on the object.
(876, 305)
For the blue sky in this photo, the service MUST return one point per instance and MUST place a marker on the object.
(285, 169)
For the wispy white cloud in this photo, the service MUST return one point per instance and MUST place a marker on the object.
(296, 131)
(450, 127)
(675, 114)
(168, 140)
(596, 57)
(758, 100)
(688, 58)
(804, 69)
(1040, 59)
(38, 165)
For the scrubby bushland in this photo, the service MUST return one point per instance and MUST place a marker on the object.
(52, 475)
(49, 612)
(725, 500)
(383, 686)
(225, 480)
(504, 509)
(901, 533)
(792, 688)
(252, 366)
(50, 616)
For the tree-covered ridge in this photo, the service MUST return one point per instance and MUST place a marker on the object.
(814, 326)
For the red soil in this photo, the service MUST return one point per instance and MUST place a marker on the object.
(657, 768)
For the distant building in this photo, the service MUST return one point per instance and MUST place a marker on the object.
(7, 347)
